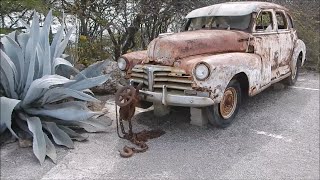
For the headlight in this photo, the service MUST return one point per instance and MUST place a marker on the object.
(122, 64)
(201, 71)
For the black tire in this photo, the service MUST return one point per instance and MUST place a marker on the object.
(292, 79)
(218, 114)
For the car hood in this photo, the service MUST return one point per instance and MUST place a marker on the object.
(170, 47)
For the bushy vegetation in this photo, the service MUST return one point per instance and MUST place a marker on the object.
(35, 101)
(109, 28)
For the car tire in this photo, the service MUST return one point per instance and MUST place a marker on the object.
(292, 79)
(223, 114)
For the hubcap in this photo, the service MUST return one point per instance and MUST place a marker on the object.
(229, 103)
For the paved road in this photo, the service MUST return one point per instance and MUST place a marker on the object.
(276, 135)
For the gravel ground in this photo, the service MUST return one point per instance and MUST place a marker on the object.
(275, 136)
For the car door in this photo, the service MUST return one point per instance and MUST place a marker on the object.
(266, 45)
(286, 38)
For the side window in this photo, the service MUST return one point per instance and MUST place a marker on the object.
(264, 22)
(290, 23)
(281, 20)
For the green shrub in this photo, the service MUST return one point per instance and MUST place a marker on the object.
(35, 101)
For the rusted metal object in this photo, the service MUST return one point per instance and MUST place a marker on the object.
(165, 50)
(252, 42)
(127, 98)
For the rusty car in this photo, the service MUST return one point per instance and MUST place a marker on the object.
(224, 53)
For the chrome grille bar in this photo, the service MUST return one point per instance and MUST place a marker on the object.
(155, 76)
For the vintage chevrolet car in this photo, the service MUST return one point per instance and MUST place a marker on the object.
(226, 52)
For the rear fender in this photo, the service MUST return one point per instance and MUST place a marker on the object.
(298, 48)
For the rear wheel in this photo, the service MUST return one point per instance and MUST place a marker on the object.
(223, 114)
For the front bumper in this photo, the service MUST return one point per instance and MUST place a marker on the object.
(175, 100)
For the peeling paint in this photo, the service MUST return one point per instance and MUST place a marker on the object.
(261, 57)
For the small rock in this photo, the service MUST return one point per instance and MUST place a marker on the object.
(80, 67)
(110, 86)
(24, 143)
(96, 106)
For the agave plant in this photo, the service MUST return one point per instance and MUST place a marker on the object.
(35, 101)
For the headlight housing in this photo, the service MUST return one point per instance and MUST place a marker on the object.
(122, 64)
(201, 71)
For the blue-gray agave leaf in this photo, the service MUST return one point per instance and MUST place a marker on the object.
(91, 71)
(59, 93)
(46, 29)
(9, 72)
(50, 149)
(87, 83)
(56, 41)
(60, 48)
(32, 90)
(30, 53)
(14, 52)
(7, 106)
(39, 142)
(69, 111)
(38, 86)
(58, 135)
(91, 126)
(73, 135)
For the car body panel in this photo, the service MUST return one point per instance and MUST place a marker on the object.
(261, 57)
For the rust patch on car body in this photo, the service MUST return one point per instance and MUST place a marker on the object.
(258, 56)
(165, 50)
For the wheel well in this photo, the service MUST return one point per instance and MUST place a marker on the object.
(300, 56)
(242, 78)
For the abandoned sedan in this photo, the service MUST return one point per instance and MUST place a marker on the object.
(226, 52)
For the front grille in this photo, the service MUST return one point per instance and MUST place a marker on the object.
(154, 77)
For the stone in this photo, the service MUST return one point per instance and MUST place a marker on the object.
(97, 106)
(160, 110)
(198, 117)
(24, 143)
(80, 67)
(109, 67)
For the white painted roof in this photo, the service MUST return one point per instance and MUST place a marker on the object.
(232, 9)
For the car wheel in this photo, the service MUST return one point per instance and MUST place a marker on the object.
(223, 114)
(292, 79)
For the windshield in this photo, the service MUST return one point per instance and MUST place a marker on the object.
(219, 22)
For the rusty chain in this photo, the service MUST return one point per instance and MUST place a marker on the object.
(127, 99)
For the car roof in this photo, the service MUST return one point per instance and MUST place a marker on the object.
(233, 9)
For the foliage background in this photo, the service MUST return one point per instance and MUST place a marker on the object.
(109, 28)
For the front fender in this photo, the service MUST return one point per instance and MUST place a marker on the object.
(223, 67)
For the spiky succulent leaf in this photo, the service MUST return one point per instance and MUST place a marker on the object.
(50, 149)
(91, 71)
(7, 106)
(87, 83)
(30, 54)
(59, 93)
(34, 93)
(73, 135)
(38, 86)
(39, 142)
(9, 73)
(68, 111)
(59, 136)
(91, 126)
